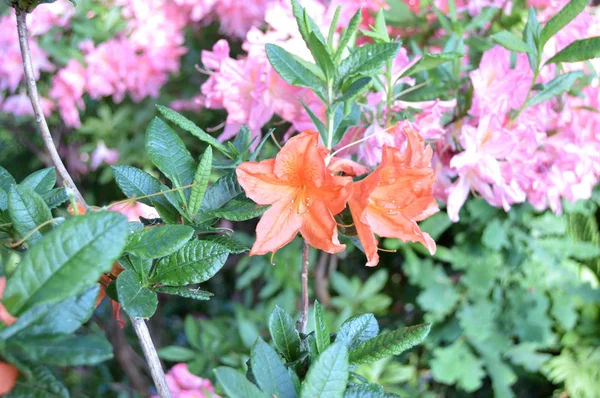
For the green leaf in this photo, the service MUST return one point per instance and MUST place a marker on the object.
(238, 209)
(554, 88)
(381, 26)
(562, 19)
(369, 390)
(293, 71)
(136, 299)
(168, 152)
(284, 334)
(319, 125)
(322, 57)
(135, 183)
(221, 192)
(510, 41)
(201, 182)
(55, 197)
(391, 343)
(357, 88)
(236, 385)
(63, 317)
(321, 329)
(187, 125)
(531, 35)
(66, 261)
(232, 245)
(40, 384)
(348, 34)
(298, 12)
(358, 329)
(185, 291)
(430, 61)
(468, 376)
(192, 332)
(41, 181)
(495, 236)
(328, 376)
(579, 50)
(195, 262)
(6, 180)
(159, 241)
(27, 210)
(367, 58)
(176, 353)
(270, 374)
(141, 266)
(67, 350)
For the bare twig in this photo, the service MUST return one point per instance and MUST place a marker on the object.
(304, 277)
(139, 324)
(141, 329)
(37, 106)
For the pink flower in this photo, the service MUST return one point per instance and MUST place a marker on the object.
(237, 17)
(20, 105)
(102, 154)
(135, 210)
(11, 66)
(67, 90)
(184, 384)
(498, 88)
(44, 18)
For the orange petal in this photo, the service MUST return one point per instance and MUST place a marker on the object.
(301, 161)
(416, 153)
(320, 229)
(260, 183)
(399, 227)
(365, 234)
(277, 227)
(335, 192)
(80, 209)
(420, 208)
(5, 317)
(8, 377)
(347, 166)
(117, 313)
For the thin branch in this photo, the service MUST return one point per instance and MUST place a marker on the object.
(34, 97)
(141, 329)
(304, 276)
(139, 324)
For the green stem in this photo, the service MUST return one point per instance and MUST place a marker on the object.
(330, 115)
(390, 93)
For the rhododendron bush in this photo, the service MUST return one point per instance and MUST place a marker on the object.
(181, 178)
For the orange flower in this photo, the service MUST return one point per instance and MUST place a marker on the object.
(8, 377)
(5, 317)
(391, 200)
(303, 194)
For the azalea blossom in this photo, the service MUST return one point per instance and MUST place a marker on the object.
(5, 317)
(391, 200)
(183, 384)
(303, 194)
(8, 379)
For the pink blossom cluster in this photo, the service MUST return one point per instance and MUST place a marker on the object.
(548, 153)
(184, 384)
(249, 88)
(137, 62)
